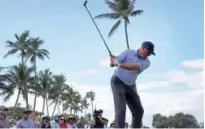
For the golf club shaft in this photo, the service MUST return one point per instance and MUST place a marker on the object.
(97, 28)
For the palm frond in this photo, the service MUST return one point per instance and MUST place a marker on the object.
(114, 28)
(136, 12)
(16, 36)
(11, 44)
(111, 5)
(131, 6)
(108, 16)
(10, 52)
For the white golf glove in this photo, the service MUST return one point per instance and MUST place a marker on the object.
(116, 63)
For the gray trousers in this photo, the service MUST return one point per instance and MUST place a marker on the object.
(122, 95)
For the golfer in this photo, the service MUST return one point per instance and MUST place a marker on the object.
(129, 65)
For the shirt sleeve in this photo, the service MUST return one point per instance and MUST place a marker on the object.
(144, 65)
(52, 124)
(122, 56)
(19, 125)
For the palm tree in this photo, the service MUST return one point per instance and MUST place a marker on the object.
(91, 96)
(35, 52)
(76, 103)
(45, 82)
(56, 91)
(122, 9)
(88, 116)
(68, 99)
(85, 104)
(20, 45)
(17, 77)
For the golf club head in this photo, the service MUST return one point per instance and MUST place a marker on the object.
(85, 3)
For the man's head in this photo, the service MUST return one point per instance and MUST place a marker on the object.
(4, 109)
(71, 119)
(45, 119)
(100, 112)
(62, 120)
(2, 115)
(26, 114)
(147, 49)
(33, 116)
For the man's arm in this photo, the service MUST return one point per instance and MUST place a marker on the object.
(119, 58)
(102, 120)
(141, 66)
(130, 66)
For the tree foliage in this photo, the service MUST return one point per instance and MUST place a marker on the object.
(179, 120)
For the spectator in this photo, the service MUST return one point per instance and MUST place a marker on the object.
(25, 122)
(71, 122)
(3, 122)
(55, 121)
(38, 122)
(33, 117)
(45, 122)
(98, 121)
(82, 122)
(62, 123)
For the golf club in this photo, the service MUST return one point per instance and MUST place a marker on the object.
(85, 3)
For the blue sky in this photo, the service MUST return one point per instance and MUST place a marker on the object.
(175, 26)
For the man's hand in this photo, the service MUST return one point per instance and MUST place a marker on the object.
(113, 61)
(102, 120)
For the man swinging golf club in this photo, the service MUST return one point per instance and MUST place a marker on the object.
(129, 65)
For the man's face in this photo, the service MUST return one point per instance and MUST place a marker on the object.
(2, 116)
(5, 111)
(100, 114)
(33, 116)
(26, 115)
(143, 52)
(72, 121)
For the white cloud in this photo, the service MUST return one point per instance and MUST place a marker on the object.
(104, 62)
(83, 73)
(196, 64)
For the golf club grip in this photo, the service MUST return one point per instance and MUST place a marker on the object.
(111, 65)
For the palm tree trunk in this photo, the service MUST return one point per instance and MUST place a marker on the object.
(54, 109)
(126, 34)
(22, 61)
(85, 111)
(59, 108)
(17, 98)
(92, 106)
(47, 105)
(26, 92)
(62, 108)
(34, 105)
(43, 104)
(70, 110)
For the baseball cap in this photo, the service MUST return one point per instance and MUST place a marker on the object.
(27, 111)
(150, 46)
(101, 111)
(3, 108)
(46, 117)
